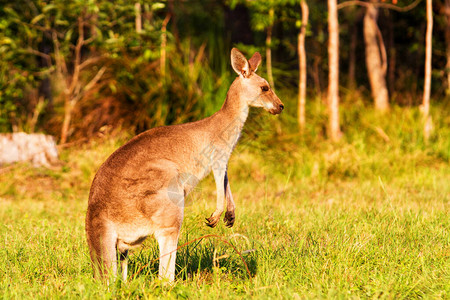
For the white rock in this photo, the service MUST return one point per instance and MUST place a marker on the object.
(39, 149)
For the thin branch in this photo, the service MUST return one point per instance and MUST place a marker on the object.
(16, 78)
(89, 40)
(41, 54)
(79, 45)
(44, 72)
(163, 47)
(60, 62)
(381, 5)
(89, 61)
(80, 91)
(77, 92)
(94, 80)
(42, 28)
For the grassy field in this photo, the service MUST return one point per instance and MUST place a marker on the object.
(365, 218)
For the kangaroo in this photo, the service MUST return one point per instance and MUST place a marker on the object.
(140, 189)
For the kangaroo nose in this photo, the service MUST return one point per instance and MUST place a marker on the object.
(281, 106)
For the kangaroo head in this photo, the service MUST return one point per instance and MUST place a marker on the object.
(255, 89)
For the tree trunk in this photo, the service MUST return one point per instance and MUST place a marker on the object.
(376, 68)
(68, 109)
(447, 42)
(352, 58)
(138, 18)
(427, 81)
(74, 89)
(302, 66)
(72, 86)
(269, 49)
(333, 73)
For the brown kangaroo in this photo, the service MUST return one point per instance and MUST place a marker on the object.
(141, 188)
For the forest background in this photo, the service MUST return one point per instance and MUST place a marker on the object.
(347, 191)
(71, 68)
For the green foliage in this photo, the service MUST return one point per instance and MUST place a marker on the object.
(189, 89)
(133, 94)
(15, 79)
(138, 95)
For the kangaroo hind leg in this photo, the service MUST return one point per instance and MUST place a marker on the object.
(168, 241)
(124, 264)
(102, 244)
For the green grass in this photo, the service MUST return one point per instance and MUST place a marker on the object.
(364, 218)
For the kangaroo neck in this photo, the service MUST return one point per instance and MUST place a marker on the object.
(235, 109)
(229, 120)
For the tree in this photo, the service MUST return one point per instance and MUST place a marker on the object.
(447, 41)
(333, 73)
(74, 89)
(427, 85)
(302, 65)
(269, 48)
(58, 22)
(376, 56)
(376, 59)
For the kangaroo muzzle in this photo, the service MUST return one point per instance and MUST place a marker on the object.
(277, 108)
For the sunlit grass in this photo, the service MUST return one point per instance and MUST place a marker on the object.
(365, 218)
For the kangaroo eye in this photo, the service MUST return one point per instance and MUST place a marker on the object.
(265, 88)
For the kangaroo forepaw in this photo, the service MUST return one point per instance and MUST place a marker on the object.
(212, 221)
(229, 219)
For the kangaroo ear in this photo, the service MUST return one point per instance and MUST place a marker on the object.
(255, 61)
(239, 63)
